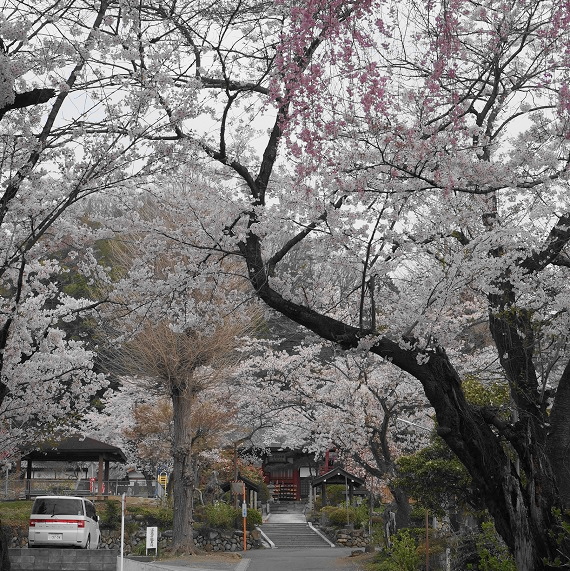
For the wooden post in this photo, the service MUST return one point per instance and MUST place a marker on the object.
(236, 498)
(100, 479)
(29, 480)
(427, 541)
(106, 483)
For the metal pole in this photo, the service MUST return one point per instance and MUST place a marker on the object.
(122, 527)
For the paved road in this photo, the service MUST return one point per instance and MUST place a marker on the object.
(314, 559)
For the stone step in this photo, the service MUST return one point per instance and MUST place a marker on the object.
(287, 507)
(293, 535)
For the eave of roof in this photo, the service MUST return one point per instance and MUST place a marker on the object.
(75, 448)
(338, 476)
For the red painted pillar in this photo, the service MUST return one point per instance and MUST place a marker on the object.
(297, 483)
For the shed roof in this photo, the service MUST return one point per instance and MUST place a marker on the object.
(75, 449)
(250, 484)
(338, 476)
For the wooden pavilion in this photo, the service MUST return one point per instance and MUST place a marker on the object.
(75, 449)
(338, 476)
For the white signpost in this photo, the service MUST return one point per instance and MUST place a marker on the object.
(152, 539)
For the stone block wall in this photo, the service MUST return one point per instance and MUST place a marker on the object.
(135, 540)
(347, 537)
(48, 559)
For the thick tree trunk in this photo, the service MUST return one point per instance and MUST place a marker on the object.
(558, 441)
(183, 473)
(520, 503)
(4, 555)
(3, 388)
(403, 508)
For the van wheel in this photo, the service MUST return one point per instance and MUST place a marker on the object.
(88, 543)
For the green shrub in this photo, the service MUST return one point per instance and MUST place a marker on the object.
(253, 518)
(340, 516)
(140, 549)
(219, 515)
(160, 516)
(109, 512)
(492, 552)
(361, 516)
(110, 515)
(561, 534)
(402, 556)
(336, 494)
(224, 516)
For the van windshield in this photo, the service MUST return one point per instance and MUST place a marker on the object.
(57, 506)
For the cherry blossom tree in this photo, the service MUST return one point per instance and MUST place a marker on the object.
(136, 420)
(421, 147)
(177, 338)
(43, 374)
(314, 399)
(414, 153)
(56, 85)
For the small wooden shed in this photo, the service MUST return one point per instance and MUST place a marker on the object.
(338, 476)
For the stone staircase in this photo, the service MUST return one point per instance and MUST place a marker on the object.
(287, 507)
(287, 527)
(297, 535)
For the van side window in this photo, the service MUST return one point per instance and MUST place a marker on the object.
(90, 510)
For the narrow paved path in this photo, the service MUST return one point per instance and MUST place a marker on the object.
(289, 559)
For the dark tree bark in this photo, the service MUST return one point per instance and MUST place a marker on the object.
(558, 439)
(4, 554)
(28, 99)
(182, 473)
(403, 507)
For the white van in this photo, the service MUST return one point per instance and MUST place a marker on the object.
(63, 521)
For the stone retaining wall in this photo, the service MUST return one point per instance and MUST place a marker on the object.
(347, 537)
(135, 541)
(49, 559)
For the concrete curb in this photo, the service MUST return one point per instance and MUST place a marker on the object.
(321, 534)
(266, 539)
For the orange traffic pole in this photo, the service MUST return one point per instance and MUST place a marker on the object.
(244, 513)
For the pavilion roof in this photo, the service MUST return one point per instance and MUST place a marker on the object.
(75, 449)
(338, 476)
